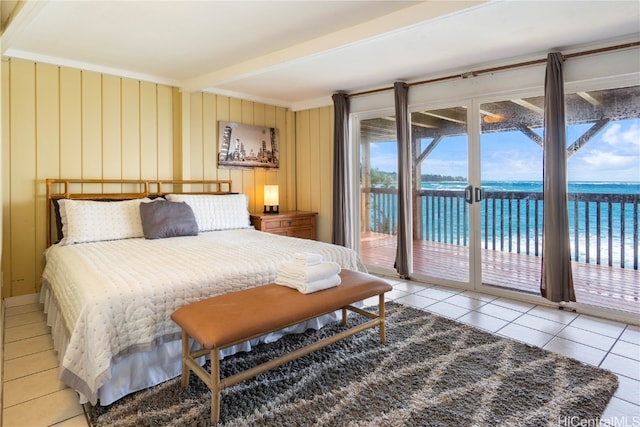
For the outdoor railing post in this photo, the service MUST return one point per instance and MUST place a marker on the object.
(444, 220)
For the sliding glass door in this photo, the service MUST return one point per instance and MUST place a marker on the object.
(477, 194)
(440, 212)
(378, 191)
(603, 151)
(511, 210)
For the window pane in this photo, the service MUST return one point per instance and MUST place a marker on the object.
(378, 192)
(511, 176)
(441, 216)
(603, 148)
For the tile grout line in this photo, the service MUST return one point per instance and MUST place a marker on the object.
(616, 339)
(608, 352)
(528, 311)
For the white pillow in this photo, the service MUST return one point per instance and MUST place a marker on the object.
(92, 221)
(217, 212)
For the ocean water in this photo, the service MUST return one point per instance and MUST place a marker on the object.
(602, 230)
(536, 186)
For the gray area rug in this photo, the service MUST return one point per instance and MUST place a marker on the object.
(432, 372)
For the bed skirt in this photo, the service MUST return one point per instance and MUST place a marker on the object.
(140, 370)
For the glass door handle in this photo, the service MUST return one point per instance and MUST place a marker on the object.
(473, 194)
(468, 194)
(479, 194)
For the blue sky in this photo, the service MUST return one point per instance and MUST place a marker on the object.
(612, 155)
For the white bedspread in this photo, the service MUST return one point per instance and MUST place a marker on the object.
(116, 297)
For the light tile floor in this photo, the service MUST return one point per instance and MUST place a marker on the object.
(34, 397)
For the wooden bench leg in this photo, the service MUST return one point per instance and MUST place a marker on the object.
(184, 377)
(383, 334)
(215, 386)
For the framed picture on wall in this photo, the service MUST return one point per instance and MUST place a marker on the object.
(247, 146)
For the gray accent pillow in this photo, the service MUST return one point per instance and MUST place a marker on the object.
(162, 218)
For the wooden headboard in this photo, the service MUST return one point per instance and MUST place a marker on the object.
(124, 189)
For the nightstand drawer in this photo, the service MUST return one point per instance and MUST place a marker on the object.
(304, 233)
(293, 224)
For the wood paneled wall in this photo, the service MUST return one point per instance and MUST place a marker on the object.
(63, 122)
(314, 166)
(205, 110)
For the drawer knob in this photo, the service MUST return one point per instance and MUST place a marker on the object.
(289, 222)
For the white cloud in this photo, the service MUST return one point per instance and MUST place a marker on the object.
(598, 165)
(386, 163)
(383, 157)
(617, 136)
(512, 165)
(600, 159)
(615, 156)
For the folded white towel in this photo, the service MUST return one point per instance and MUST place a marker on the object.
(295, 272)
(310, 287)
(307, 258)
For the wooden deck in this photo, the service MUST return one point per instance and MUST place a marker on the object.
(600, 286)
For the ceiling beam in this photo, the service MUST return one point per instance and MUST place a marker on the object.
(443, 117)
(397, 21)
(432, 145)
(528, 105)
(586, 137)
(590, 99)
(21, 16)
(531, 135)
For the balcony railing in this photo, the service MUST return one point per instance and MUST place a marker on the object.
(603, 227)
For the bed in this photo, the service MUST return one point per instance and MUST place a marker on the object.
(124, 260)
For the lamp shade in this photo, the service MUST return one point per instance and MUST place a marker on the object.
(271, 195)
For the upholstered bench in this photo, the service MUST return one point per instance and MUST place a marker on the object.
(229, 319)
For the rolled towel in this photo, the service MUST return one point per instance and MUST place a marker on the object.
(307, 258)
(295, 272)
(310, 287)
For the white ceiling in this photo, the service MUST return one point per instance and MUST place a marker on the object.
(297, 53)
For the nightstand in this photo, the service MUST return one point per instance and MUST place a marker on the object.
(292, 223)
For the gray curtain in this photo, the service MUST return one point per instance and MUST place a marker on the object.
(403, 261)
(341, 229)
(557, 279)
